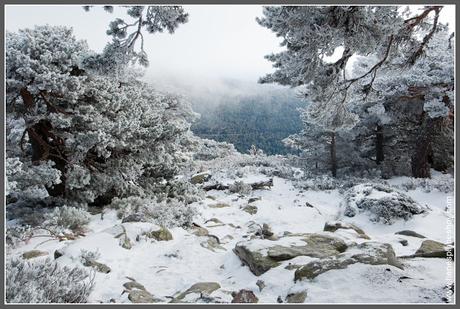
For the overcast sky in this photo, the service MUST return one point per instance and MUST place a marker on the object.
(221, 41)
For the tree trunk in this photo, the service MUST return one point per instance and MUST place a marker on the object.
(379, 156)
(423, 150)
(333, 155)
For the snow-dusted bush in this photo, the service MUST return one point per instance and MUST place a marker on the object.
(383, 203)
(67, 218)
(240, 187)
(43, 281)
(442, 182)
(89, 256)
(168, 213)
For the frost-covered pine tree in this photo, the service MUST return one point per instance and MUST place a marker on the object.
(77, 136)
(407, 117)
(312, 33)
(127, 44)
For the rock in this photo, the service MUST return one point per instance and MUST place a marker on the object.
(316, 245)
(141, 296)
(102, 268)
(212, 243)
(266, 231)
(200, 178)
(260, 284)
(199, 230)
(211, 197)
(219, 205)
(404, 242)
(279, 300)
(372, 253)
(431, 248)
(334, 226)
(267, 254)
(134, 218)
(256, 261)
(214, 220)
(133, 285)
(33, 254)
(254, 199)
(163, 234)
(125, 242)
(410, 233)
(296, 298)
(250, 209)
(384, 204)
(202, 288)
(244, 296)
(58, 253)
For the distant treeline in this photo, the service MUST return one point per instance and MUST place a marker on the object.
(260, 120)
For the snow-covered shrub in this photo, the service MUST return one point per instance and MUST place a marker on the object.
(67, 218)
(89, 256)
(43, 281)
(442, 182)
(240, 187)
(178, 189)
(383, 203)
(168, 213)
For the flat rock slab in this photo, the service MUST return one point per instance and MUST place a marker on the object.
(205, 288)
(33, 254)
(410, 233)
(372, 253)
(260, 255)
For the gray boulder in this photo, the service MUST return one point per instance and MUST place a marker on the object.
(431, 248)
(372, 253)
(269, 253)
(334, 226)
(298, 297)
(244, 296)
(201, 288)
(410, 233)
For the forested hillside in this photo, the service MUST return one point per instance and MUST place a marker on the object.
(260, 119)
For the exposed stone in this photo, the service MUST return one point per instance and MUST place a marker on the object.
(58, 253)
(133, 285)
(219, 205)
(410, 233)
(404, 242)
(100, 267)
(141, 296)
(125, 242)
(254, 199)
(134, 218)
(214, 220)
(260, 284)
(372, 253)
(212, 243)
(298, 297)
(163, 234)
(200, 178)
(250, 209)
(334, 226)
(199, 230)
(244, 296)
(202, 288)
(33, 254)
(431, 248)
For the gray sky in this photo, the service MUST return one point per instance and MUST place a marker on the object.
(221, 41)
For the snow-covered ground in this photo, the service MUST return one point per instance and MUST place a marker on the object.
(166, 268)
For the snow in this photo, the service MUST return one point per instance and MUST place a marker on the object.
(166, 268)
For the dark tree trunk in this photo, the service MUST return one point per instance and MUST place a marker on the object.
(333, 155)
(47, 146)
(379, 156)
(423, 151)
